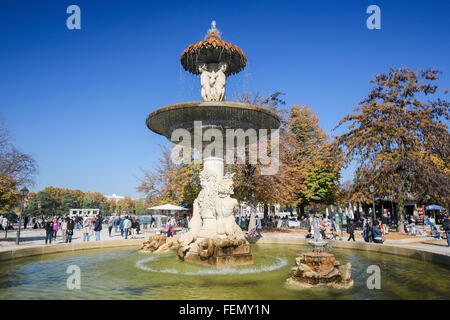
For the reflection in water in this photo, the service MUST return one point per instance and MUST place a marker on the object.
(128, 274)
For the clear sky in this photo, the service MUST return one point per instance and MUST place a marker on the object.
(77, 100)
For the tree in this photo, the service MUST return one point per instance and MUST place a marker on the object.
(250, 185)
(69, 202)
(20, 166)
(88, 201)
(45, 203)
(126, 205)
(139, 206)
(169, 182)
(9, 196)
(398, 140)
(310, 165)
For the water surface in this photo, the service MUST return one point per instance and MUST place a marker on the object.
(126, 273)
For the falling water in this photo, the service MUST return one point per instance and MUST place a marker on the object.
(279, 263)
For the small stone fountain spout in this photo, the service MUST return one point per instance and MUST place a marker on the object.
(318, 246)
(319, 268)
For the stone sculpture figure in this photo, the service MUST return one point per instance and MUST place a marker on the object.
(212, 224)
(204, 81)
(213, 81)
(221, 81)
(225, 209)
(203, 208)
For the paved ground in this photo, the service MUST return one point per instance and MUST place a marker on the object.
(392, 238)
(36, 238)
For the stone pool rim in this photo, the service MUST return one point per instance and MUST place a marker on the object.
(432, 257)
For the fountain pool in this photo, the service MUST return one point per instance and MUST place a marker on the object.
(126, 273)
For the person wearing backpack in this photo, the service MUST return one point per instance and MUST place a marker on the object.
(69, 232)
(98, 227)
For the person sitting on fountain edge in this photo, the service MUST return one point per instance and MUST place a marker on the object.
(376, 233)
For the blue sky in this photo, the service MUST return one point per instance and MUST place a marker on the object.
(77, 100)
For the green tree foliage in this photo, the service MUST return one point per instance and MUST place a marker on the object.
(310, 165)
(69, 202)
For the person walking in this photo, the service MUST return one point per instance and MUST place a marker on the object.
(258, 226)
(98, 227)
(86, 229)
(133, 228)
(78, 222)
(55, 227)
(384, 222)
(323, 228)
(172, 225)
(351, 231)
(111, 222)
(446, 227)
(126, 226)
(116, 223)
(64, 229)
(412, 226)
(69, 232)
(152, 222)
(121, 222)
(48, 230)
(368, 235)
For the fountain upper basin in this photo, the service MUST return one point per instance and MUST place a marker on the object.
(221, 115)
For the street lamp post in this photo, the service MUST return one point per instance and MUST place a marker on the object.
(23, 193)
(372, 191)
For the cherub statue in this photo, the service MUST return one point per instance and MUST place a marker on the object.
(204, 81)
(221, 81)
(225, 209)
(213, 80)
(203, 207)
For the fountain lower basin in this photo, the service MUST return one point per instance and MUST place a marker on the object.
(125, 273)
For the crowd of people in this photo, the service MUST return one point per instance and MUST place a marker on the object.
(89, 226)
(373, 230)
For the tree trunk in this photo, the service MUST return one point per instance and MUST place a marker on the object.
(300, 210)
(400, 216)
(7, 227)
(266, 212)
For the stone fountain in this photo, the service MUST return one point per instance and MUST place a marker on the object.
(320, 268)
(214, 238)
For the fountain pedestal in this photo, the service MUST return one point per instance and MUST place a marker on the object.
(319, 268)
(223, 257)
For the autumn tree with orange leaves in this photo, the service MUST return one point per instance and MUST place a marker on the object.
(310, 166)
(169, 182)
(399, 139)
